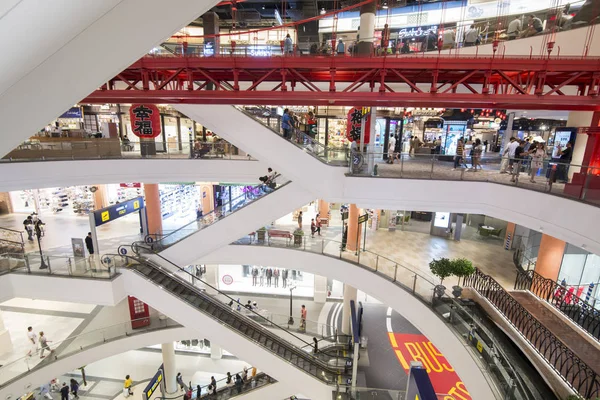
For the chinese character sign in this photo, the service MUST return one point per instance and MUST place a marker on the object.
(354, 127)
(145, 120)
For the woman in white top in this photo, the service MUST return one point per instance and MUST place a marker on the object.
(537, 160)
(476, 154)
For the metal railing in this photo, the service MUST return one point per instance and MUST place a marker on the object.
(564, 299)
(574, 371)
(59, 350)
(165, 239)
(31, 263)
(94, 149)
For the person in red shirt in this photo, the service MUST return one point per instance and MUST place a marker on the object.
(303, 317)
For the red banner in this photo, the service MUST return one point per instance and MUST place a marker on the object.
(354, 126)
(145, 120)
(130, 185)
(410, 347)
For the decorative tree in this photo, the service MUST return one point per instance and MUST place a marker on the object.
(462, 268)
(441, 268)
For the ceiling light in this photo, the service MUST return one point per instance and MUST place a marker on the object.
(263, 7)
(323, 11)
(385, 6)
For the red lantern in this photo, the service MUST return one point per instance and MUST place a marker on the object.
(145, 120)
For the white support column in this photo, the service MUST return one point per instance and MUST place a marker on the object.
(212, 278)
(458, 227)
(579, 119)
(371, 146)
(349, 294)
(216, 352)
(6, 345)
(508, 132)
(170, 367)
(320, 295)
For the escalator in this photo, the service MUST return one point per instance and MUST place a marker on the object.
(245, 327)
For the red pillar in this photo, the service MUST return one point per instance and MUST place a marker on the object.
(153, 208)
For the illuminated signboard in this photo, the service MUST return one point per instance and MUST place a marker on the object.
(442, 220)
(417, 32)
(209, 49)
(115, 211)
(154, 383)
(261, 51)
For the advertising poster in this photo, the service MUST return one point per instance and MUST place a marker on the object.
(392, 220)
(78, 247)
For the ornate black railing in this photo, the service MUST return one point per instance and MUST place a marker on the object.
(563, 298)
(574, 371)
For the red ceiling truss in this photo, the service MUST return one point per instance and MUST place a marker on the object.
(412, 81)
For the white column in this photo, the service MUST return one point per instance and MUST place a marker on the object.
(320, 295)
(458, 227)
(367, 27)
(508, 132)
(6, 345)
(349, 294)
(216, 352)
(170, 367)
(371, 146)
(579, 119)
(212, 278)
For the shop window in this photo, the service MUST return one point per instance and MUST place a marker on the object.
(572, 269)
(90, 123)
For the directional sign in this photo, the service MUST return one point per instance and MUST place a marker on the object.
(363, 218)
(115, 211)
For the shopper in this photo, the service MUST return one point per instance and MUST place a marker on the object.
(476, 154)
(74, 388)
(471, 36)
(28, 224)
(198, 391)
(249, 305)
(286, 121)
(64, 392)
(565, 159)
(288, 46)
(448, 39)
(300, 220)
(514, 28)
(303, 318)
(313, 227)
(238, 383)
(245, 374)
(318, 222)
(89, 243)
(316, 342)
(458, 158)
(509, 152)
(32, 339)
(229, 380)
(213, 383)
(534, 26)
(391, 149)
(537, 160)
(38, 226)
(45, 391)
(44, 345)
(519, 154)
(413, 145)
(179, 380)
(127, 386)
(341, 48)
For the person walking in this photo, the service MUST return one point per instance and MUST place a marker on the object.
(127, 386)
(28, 224)
(537, 160)
(64, 392)
(458, 158)
(565, 159)
(391, 149)
(199, 391)
(471, 36)
(32, 338)
(245, 374)
(316, 342)
(519, 153)
(341, 48)
(313, 227)
(286, 124)
(239, 383)
(509, 153)
(318, 222)
(303, 318)
(288, 45)
(89, 243)
(213, 383)
(448, 39)
(300, 220)
(179, 379)
(476, 155)
(44, 345)
(74, 388)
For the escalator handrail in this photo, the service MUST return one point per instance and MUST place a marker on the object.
(257, 377)
(162, 237)
(248, 321)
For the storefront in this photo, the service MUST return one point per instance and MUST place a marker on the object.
(70, 201)
(178, 204)
(579, 270)
(265, 280)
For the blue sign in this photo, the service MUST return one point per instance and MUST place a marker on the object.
(154, 383)
(123, 251)
(73, 112)
(419, 385)
(115, 211)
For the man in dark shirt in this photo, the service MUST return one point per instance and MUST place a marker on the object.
(565, 159)
(64, 392)
(519, 155)
(89, 243)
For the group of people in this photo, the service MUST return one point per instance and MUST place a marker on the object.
(231, 381)
(34, 341)
(476, 152)
(33, 225)
(269, 181)
(520, 152)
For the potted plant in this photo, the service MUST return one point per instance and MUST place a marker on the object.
(298, 235)
(261, 233)
(441, 268)
(461, 268)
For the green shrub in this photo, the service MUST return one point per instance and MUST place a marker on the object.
(441, 268)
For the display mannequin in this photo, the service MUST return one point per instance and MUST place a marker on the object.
(262, 276)
(269, 276)
(276, 276)
(254, 275)
(284, 275)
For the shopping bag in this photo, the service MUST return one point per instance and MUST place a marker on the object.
(125, 392)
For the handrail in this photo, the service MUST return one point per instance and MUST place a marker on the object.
(103, 337)
(216, 212)
(206, 394)
(578, 310)
(234, 301)
(57, 266)
(225, 308)
(574, 371)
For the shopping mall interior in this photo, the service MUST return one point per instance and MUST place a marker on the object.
(300, 200)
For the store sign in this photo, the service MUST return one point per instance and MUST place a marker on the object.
(227, 279)
(417, 32)
(113, 212)
(74, 112)
(261, 51)
(130, 185)
(209, 49)
(363, 218)
(355, 123)
(442, 219)
(155, 383)
(145, 120)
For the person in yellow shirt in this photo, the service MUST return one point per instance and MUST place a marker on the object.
(127, 385)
